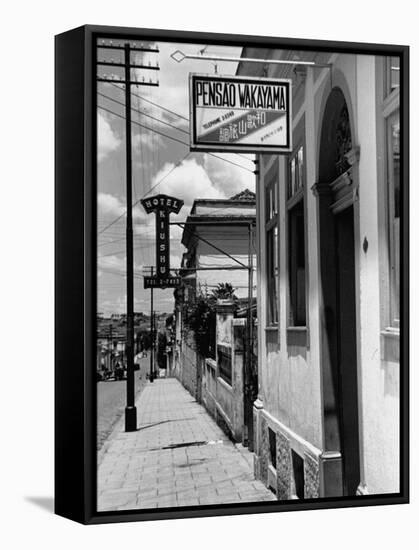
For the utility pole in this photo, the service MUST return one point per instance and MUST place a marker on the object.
(152, 333)
(130, 409)
(250, 367)
(111, 350)
(127, 65)
(249, 378)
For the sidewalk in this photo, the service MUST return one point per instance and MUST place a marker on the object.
(177, 457)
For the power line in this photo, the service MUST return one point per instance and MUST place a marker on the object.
(120, 235)
(175, 166)
(168, 173)
(112, 242)
(149, 232)
(130, 409)
(120, 273)
(144, 113)
(120, 251)
(176, 139)
(175, 114)
(171, 112)
(142, 156)
(155, 104)
(149, 191)
(143, 125)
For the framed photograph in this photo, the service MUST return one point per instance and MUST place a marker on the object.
(231, 274)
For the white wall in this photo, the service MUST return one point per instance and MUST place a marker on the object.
(234, 241)
(379, 411)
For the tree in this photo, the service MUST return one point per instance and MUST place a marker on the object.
(144, 339)
(161, 350)
(224, 291)
(201, 317)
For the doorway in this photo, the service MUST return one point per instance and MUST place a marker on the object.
(338, 297)
(347, 348)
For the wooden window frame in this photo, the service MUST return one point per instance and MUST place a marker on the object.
(271, 209)
(393, 228)
(296, 184)
(388, 64)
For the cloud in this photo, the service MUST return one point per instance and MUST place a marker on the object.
(111, 206)
(107, 139)
(188, 181)
(174, 107)
(175, 261)
(181, 122)
(147, 139)
(113, 263)
(227, 178)
(116, 263)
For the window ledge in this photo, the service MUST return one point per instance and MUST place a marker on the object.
(296, 329)
(224, 383)
(391, 332)
(391, 103)
(211, 363)
(271, 328)
(294, 199)
(390, 345)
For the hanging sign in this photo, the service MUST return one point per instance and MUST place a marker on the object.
(239, 114)
(162, 206)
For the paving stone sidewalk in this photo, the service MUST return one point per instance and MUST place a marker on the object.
(177, 457)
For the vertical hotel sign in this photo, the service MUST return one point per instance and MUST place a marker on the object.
(240, 114)
(162, 206)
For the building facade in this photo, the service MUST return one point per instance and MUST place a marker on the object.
(219, 237)
(326, 420)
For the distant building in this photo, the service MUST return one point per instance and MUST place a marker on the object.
(215, 229)
(118, 316)
(218, 234)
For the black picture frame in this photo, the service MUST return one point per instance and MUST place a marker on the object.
(75, 275)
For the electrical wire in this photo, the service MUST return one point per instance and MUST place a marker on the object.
(151, 102)
(171, 125)
(175, 139)
(124, 250)
(159, 106)
(149, 191)
(143, 113)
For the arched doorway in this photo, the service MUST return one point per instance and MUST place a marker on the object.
(336, 192)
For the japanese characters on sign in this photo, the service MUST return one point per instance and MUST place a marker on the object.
(162, 206)
(240, 114)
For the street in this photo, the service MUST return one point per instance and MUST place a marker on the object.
(178, 456)
(111, 399)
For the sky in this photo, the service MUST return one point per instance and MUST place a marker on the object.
(162, 163)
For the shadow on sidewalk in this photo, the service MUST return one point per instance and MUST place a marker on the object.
(162, 422)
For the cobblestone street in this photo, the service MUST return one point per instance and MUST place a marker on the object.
(177, 457)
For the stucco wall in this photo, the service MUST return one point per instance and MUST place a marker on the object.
(233, 241)
(224, 401)
(188, 363)
(290, 376)
(288, 361)
(378, 378)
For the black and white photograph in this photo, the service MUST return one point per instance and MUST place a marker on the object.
(248, 253)
(209, 312)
